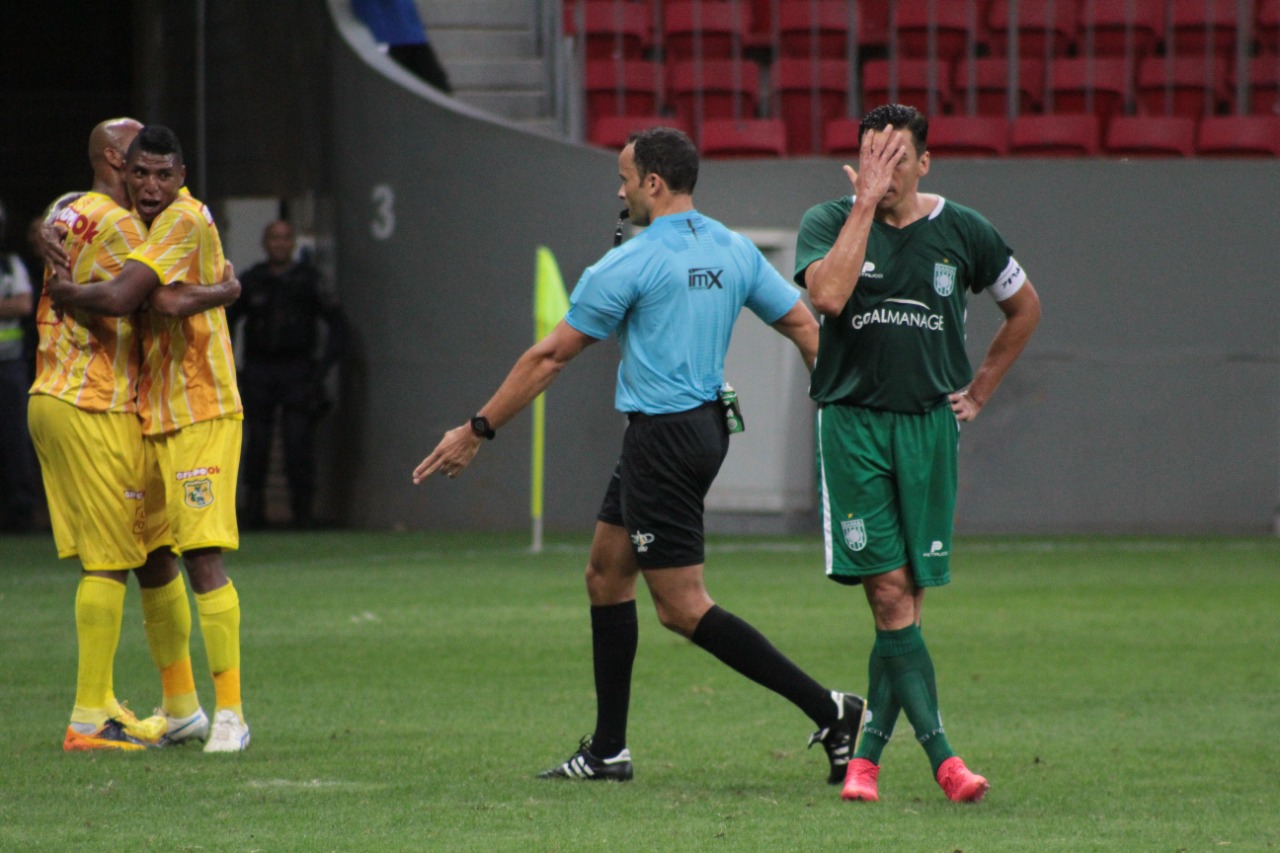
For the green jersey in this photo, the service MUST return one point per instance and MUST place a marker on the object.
(898, 345)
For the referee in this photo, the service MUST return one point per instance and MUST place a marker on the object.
(671, 295)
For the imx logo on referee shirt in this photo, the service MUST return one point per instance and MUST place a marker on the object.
(705, 278)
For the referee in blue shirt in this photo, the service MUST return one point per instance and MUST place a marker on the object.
(671, 295)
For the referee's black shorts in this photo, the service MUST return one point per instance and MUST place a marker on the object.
(656, 493)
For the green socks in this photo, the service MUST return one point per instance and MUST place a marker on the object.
(908, 669)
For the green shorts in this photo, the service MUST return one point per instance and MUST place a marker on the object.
(887, 483)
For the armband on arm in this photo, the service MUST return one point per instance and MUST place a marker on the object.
(1009, 281)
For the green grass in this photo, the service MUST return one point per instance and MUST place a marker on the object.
(403, 689)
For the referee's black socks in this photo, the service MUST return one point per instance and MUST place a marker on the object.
(750, 653)
(615, 633)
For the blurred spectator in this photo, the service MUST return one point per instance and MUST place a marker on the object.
(395, 23)
(281, 302)
(17, 457)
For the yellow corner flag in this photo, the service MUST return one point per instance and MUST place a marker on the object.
(550, 304)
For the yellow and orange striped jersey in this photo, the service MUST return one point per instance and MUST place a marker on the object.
(188, 370)
(89, 361)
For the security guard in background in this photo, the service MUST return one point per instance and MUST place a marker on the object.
(281, 302)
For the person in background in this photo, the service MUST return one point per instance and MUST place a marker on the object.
(281, 304)
(17, 458)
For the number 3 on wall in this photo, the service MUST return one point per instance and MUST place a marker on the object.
(383, 224)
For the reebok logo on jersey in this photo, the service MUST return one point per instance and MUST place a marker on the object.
(80, 225)
(705, 278)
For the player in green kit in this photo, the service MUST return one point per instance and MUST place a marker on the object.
(890, 270)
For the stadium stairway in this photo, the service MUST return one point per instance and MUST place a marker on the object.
(492, 54)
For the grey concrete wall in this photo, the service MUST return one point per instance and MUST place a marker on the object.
(1149, 401)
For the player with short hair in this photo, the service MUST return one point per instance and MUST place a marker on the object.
(671, 295)
(187, 399)
(890, 269)
(103, 506)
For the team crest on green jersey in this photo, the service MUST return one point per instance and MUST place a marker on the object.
(944, 279)
(198, 493)
(855, 533)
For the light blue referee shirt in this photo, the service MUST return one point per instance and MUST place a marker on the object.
(672, 293)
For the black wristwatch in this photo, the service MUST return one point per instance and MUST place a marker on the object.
(480, 426)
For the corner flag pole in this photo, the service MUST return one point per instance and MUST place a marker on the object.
(550, 303)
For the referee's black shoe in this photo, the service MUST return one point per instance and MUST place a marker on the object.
(584, 764)
(840, 739)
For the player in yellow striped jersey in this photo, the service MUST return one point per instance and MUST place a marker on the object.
(83, 418)
(187, 397)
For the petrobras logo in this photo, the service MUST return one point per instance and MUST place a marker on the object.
(705, 278)
(908, 315)
(78, 224)
(197, 472)
(937, 549)
(869, 271)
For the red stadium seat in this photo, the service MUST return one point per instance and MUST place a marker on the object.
(1197, 24)
(1267, 26)
(1103, 77)
(1264, 84)
(1151, 136)
(729, 88)
(749, 138)
(991, 85)
(613, 29)
(1239, 136)
(1198, 87)
(621, 87)
(1110, 21)
(719, 28)
(969, 136)
(840, 137)
(951, 28)
(1036, 30)
(612, 131)
(809, 93)
(912, 83)
(1057, 135)
(821, 27)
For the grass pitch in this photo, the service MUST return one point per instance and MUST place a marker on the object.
(403, 690)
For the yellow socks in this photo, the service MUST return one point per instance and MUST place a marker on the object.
(99, 611)
(220, 624)
(166, 617)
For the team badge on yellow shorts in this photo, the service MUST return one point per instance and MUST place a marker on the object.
(198, 494)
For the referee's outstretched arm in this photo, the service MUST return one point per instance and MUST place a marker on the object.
(532, 374)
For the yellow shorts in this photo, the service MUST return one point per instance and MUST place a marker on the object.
(200, 464)
(103, 506)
